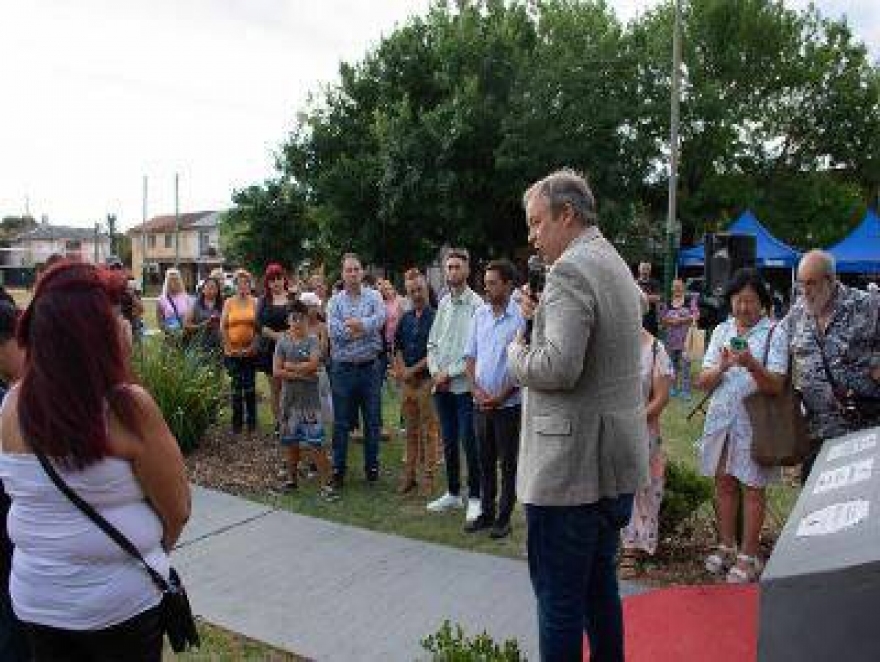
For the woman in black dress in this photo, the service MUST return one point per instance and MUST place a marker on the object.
(272, 320)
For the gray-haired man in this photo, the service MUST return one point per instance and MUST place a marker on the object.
(584, 443)
(833, 331)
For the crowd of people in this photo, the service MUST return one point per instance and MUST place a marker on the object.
(554, 396)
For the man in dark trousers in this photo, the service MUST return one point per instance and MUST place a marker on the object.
(584, 445)
(496, 397)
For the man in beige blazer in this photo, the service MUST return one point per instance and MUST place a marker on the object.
(584, 441)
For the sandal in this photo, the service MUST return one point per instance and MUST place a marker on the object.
(747, 570)
(721, 560)
(628, 565)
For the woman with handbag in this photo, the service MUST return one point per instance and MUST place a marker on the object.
(77, 591)
(172, 306)
(203, 321)
(731, 372)
(272, 320)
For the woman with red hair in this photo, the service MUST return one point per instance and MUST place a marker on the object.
(79, 594)
(272, 318)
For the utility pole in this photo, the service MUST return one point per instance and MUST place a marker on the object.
(176, 221)
(144, 242)
(671, 214)
(111, 230)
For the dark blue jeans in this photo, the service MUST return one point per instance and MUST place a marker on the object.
(572, 553)
(455, 412)
(356, 388)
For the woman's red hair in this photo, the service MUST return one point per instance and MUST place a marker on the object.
(75, 362)
(273, 270)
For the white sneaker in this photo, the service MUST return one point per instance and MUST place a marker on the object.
(445, 502)
(474, 510)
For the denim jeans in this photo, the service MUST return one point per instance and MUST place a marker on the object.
(455, 411)
(356, 388)
(572, 553)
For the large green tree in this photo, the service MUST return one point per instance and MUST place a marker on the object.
(774, 102)
(431, 137)
(269, 223)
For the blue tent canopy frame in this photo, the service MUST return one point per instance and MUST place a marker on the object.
(771, 252)
(859, 251)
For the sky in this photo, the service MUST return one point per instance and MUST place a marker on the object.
(98, 94)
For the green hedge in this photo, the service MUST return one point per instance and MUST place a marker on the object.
(449, 644)
(684, 494)
(187, 384)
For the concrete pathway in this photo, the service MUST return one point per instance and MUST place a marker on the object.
(328, 591)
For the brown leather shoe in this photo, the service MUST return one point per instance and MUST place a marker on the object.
(406, 487)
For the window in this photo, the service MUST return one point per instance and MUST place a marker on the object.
(168, 238)
(204, 242)
(73, 245)
(152, 241)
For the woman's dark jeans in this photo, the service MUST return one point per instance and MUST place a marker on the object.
(243, 373)
(139, 639)
(572, 565)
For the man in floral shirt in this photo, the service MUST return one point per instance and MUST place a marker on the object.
(833, 331)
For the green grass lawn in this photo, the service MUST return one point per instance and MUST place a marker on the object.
(219, 644)
(379, 508)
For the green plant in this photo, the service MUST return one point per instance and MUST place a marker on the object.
(685, 492)
(185, 382)
(450, 644)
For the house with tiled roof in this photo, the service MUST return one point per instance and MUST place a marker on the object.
(32, 248)
(189, 241)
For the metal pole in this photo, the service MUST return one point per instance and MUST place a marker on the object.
(176, 221)
(671, 243)
(144, 243)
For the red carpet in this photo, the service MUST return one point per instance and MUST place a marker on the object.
(692, 624)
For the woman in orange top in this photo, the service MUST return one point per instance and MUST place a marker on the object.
(238, 324)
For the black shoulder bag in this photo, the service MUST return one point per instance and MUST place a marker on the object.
(858, 410)
(176, 614)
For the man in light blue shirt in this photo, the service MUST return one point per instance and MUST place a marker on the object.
(496, 397)
(452, 398)
(355, 317)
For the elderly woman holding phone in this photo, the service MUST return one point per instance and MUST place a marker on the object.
(746, 354)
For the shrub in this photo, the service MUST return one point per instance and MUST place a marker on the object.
(451, 645)
(685, 492)
(186, 383)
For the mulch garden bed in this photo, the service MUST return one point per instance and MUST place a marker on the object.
(252, 464)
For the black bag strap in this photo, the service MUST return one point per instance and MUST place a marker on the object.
(174, 308)
(111, 531)
(653, 368)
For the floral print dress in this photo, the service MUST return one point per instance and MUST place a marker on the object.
(642, 530)
(727, 420)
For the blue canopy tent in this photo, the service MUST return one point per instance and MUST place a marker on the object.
(859, 251)
(771, 252)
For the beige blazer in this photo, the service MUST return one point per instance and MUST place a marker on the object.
(584, 433)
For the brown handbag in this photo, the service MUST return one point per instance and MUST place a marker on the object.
(779, 428)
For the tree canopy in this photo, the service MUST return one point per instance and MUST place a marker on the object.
(431, 138)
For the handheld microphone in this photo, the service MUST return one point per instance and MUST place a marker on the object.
(537, 273)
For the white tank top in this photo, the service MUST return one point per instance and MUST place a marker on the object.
(66, 572)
